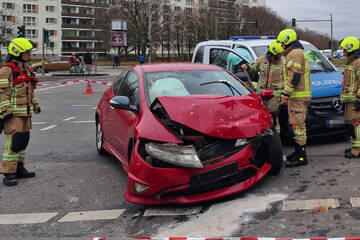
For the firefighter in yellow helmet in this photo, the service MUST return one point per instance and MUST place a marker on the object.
(350, 92)
(269, 68)
(17, 102)
(296, 93)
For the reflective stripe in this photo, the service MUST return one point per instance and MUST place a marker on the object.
(346, 97)
(23, 110)
(297, 65)
(4, 81)
(5, 103)
(277, 93)
(350, 95)
(284, 71)
(289, 89)
(6, 155)
(358, 73)
(307, 92)
(35, 100)
(275, 67)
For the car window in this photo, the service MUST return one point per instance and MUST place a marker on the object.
(130, 88)
(57, 59)
(117, 83)
(65, 59)
(245, 52)
(226, 59)
(260, 50)
(199, 55)
(184, 83)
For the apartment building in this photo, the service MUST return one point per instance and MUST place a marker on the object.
(80, 30)
(34, 15)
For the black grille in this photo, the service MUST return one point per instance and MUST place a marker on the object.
(327, 106)
(214, 179)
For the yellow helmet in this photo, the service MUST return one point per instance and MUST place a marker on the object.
(350, 44)
(287, 36)
(20, 45)
(275, 47)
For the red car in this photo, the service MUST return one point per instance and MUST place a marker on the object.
(186, 133)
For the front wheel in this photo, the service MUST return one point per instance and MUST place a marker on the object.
(275, 154)
(39, 69)
(99, 139)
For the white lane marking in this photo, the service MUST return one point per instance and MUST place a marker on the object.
(81, 105)
(38, 123)
(64, 85)
(49, 127)
(89, 121)
(292, 205)
(355, 202)
(92, 215)
(68, 119)
(172, 211)
(27, 218)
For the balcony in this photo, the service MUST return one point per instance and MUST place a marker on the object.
(84, 4)
(65, 14)
(76, 38)
(82, 50)
(81, 26)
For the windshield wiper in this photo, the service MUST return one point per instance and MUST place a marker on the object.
(223, 82)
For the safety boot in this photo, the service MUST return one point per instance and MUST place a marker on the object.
(297, 158)
(21, 172)
(349, 154)
(9, 179)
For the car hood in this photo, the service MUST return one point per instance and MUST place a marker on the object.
(326, 84)
(225, 117)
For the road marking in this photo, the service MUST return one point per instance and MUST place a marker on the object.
(355, 202)
(38, 123)
(172, 211)
(27, 218)
(68, 119)
(49, 127)
(89, 121)
(92, 215)
(81, 105)
(309, 204)
(55, 87)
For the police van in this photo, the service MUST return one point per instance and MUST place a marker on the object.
(325, 115)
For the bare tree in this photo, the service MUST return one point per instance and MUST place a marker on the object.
(7, 33)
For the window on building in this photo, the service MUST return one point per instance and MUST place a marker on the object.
(69, 21)
(51, 44)
(188, 10)
(30, 33)
(177, 9)
(69, 33)
(85, 11)
(29, 8)
(51, 20)
(6, 18)
(86, 34)
(67, 9)
(86, 21)
(51, 32)
(189, 2)
(50, 8)
(69, 45)
(29, 20)
(6, 31)
(7, 5)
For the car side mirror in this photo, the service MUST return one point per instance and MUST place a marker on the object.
(267, 93)
(123, 102)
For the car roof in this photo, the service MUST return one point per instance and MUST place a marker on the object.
(164, 67)
(246, 42)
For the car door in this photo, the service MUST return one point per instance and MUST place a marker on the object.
(52, 63)
(224, 57)
(124, 121)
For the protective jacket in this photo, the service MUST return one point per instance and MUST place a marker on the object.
(17, 90)
(351, 82)
(296, 74)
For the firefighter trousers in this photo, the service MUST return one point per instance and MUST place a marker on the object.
(297, 110)
(17, 132)
(353, 117)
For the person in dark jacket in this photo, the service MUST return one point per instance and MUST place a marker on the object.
(116, 60)
(88, 62)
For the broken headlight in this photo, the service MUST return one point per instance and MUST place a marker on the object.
(184, 156)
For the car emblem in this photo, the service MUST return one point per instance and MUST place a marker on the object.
(336, 104)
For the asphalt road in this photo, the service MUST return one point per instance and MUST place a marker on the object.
(72, 181)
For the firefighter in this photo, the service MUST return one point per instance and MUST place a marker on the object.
(350, 92)
(17, 102)
(297, 92)
(269, 67)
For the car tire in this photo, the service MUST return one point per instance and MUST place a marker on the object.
(99, 139)
(274, 153)
(39, 69)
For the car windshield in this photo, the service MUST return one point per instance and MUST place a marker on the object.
(317, 61)
(184, 83)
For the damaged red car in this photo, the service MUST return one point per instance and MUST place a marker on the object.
(186, 133)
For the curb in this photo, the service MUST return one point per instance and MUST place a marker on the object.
(238, 238)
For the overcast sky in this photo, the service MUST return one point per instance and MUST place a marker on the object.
(346, 17)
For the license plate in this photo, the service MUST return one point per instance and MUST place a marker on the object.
(333, 123)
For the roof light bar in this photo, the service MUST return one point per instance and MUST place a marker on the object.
(251, 37)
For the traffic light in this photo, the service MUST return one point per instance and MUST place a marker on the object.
(293, 22)
(46, 36)
(21, 31)
(147, 43)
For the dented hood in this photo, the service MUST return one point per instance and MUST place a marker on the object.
(226, 117)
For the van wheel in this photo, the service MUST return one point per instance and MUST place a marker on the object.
(275, 154)
(99, 139)
(39, 69)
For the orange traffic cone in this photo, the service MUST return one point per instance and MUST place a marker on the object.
(88, 88)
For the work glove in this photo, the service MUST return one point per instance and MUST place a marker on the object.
(357, 105)
(37, 110)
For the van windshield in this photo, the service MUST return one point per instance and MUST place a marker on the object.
(317, 62)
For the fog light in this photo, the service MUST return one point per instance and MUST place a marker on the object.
(140, 187)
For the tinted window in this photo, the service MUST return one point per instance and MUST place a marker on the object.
(130, 88)
(117, 83)
(199, 55)
(184, 83)
(57, 59)
(226, 59)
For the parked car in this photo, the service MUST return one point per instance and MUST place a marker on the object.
(326, 113)
(186, 133)
(59, 63)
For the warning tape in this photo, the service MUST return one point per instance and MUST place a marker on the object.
(237, 238)
(74, 81)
